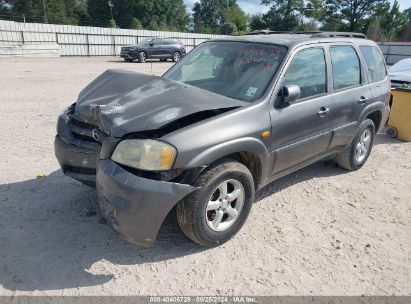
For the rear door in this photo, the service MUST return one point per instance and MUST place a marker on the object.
(377, 73)
(351, 92)
(301, 131)
(164, 48)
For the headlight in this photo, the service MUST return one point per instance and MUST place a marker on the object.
(145, 154)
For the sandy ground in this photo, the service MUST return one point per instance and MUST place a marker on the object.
(320, 231)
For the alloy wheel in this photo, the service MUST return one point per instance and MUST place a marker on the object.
(225, 205)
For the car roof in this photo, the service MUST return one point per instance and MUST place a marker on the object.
(292, 39)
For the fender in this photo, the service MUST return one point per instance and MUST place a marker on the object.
(375, 106)
(245, 144)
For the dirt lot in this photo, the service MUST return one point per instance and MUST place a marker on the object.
(320, 231)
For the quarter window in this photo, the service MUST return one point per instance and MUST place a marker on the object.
(308, 71)
(375, 62)
(346, 67)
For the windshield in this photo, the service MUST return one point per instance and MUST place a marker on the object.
(240, 70)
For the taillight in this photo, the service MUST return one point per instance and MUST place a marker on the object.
(183, 46)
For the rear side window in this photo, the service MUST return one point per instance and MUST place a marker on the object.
(345, 66)
(308, 71)
(171, 41)
(374, 61)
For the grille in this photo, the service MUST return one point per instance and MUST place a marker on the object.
(82, 131)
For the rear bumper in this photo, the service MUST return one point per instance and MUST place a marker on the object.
(134, 206)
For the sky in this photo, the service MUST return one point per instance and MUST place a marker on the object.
(254, 7)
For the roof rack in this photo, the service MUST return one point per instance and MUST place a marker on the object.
(269, 32)
(313, 34)
(340, 34)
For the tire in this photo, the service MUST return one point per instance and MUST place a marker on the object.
(176, 56)
(201, 225)
(142, 57)
(357, 152)
(392, 132)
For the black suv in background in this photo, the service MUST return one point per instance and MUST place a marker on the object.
(161, 48)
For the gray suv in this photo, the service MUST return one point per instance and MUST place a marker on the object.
(229, 118)
(152, 48)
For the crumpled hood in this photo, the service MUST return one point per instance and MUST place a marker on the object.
(121, 102)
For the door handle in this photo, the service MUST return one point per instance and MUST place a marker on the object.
(362, 100)
(323, 111)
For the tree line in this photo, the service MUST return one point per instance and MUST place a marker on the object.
(379, 19)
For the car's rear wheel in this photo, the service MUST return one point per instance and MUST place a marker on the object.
(176, 56)
(213, 214)
(356, 154)
(142, 57)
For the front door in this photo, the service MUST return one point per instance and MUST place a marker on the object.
(155, 48)
(301, 131)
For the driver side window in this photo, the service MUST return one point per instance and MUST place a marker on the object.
(308, 71)
(156, 42)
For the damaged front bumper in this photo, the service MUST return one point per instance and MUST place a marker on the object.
(134, 206)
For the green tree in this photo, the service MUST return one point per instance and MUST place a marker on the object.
(228, 28)
(257, 22)
(153, 25)
(284, 15)
(165, 13)
(236, 16)
(210, 15)
(349, 15)
(52, 11)
(112, 23)
(136, 24)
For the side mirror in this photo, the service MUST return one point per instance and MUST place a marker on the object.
(288, 94)
(151, 44)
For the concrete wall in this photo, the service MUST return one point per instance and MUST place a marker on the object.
(30, 50)
(84, 40)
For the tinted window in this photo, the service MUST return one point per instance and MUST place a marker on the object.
(374, 61)
(346, 67)
(173, 41)
(308, 71)
(239, 70)
(156, 41)
(145, 41)
(168, 41)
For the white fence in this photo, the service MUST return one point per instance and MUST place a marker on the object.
(394, 51)
(84, 40)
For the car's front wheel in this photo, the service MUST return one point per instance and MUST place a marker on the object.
(176, 56)
(356, 154)
(213, 214)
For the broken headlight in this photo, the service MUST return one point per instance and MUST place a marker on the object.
(145, 154)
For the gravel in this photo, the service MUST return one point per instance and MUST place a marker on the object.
(319, 231)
